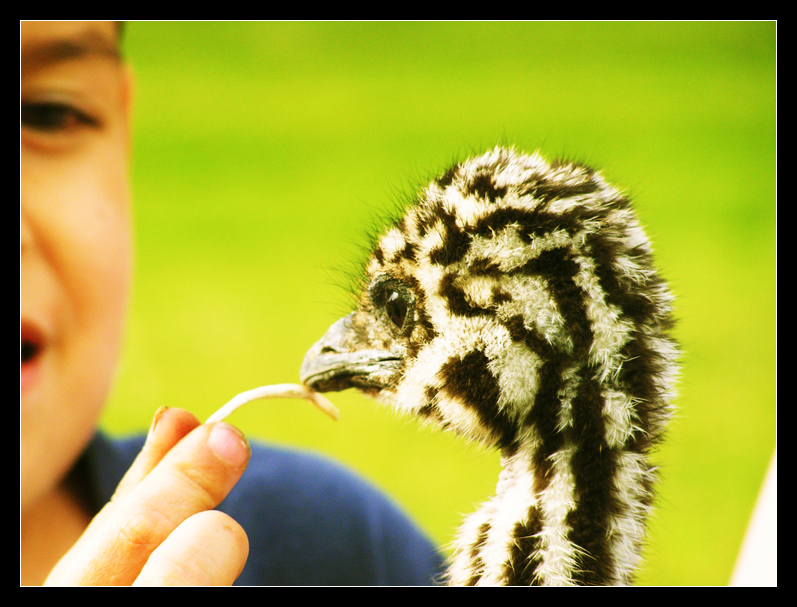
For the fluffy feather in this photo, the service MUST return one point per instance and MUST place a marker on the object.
(516, 303)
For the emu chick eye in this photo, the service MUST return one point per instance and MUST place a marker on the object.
(396, 309)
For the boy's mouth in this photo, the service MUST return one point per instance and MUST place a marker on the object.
(27, 351)
(30, 342)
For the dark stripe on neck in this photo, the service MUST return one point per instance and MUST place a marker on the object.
(468, 379)
(543, 415)
(474, 557)
(593, 465)
(524, 559)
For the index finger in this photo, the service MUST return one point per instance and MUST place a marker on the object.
(169, 426)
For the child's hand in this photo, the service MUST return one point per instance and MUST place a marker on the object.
(160, 527)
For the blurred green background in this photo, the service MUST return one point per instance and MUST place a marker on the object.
(266, 152)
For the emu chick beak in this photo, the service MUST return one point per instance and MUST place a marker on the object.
(339, 361)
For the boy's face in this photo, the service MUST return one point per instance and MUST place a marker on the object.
(75, 239)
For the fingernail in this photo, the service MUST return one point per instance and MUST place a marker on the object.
(158, 414)
(229, 443)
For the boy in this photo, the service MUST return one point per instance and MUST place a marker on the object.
(293, 519)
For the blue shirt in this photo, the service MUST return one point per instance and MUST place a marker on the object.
(309, 520)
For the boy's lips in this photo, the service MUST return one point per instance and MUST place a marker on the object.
(31, 344)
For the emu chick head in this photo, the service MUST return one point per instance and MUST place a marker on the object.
(510, 287)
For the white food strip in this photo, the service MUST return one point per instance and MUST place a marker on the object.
(276, 391)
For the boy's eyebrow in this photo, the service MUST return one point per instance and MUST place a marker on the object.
(88, 44)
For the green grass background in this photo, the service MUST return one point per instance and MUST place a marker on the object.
(265, 152)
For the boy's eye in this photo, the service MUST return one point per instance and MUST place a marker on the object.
(51, 117)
